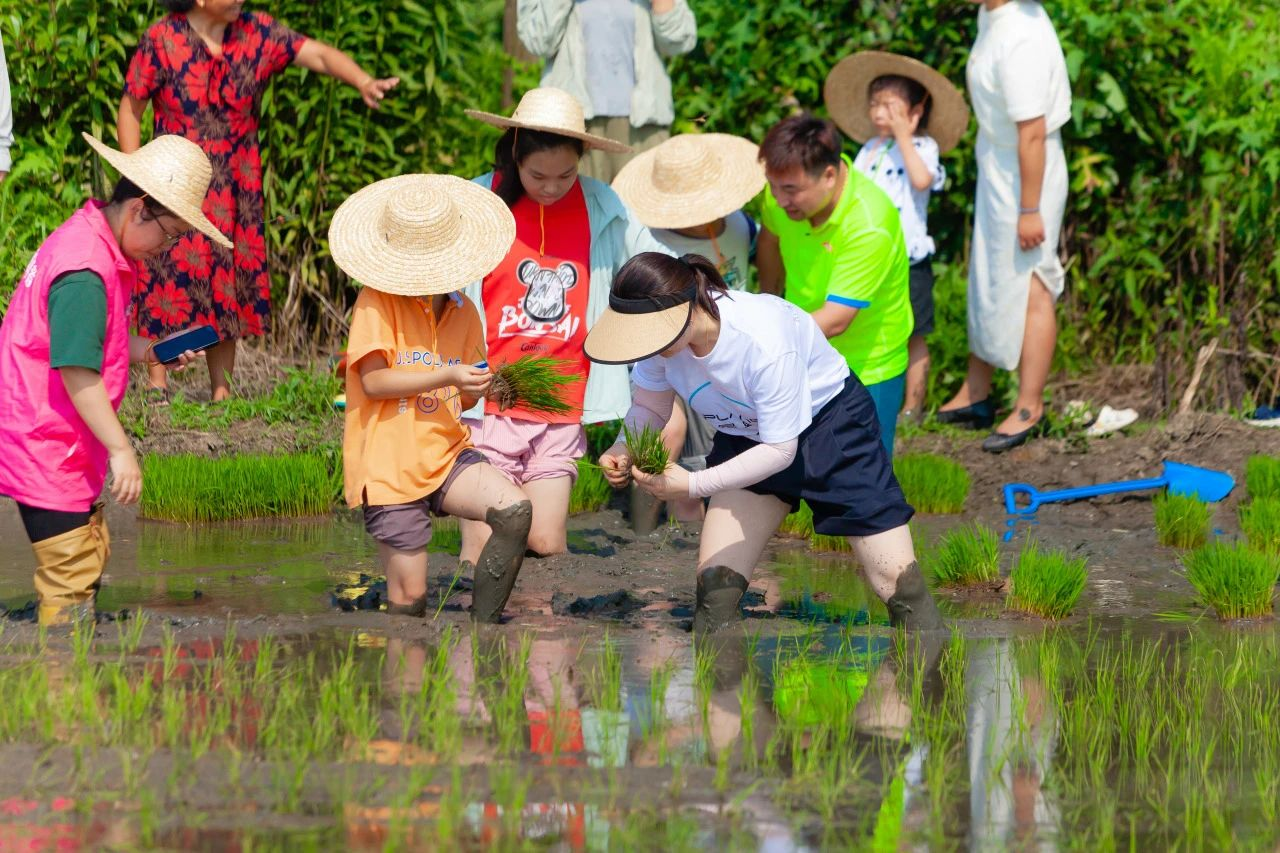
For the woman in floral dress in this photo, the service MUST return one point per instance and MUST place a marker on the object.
(204, 68)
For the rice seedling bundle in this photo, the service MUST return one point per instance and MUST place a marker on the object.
(1182, 521)
(646, 449)
(591, 492)
(932, 483)
(799, 524)
(965, 556)
(1235, 580)
(534, 384)
(1262, 476)
(1045, 583)
(1260, 521)
(191, 488)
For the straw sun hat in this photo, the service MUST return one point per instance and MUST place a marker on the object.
(845, 94)
(554, 111)
(635, 329)
(174, 171)
(421, 235)
(691, 179)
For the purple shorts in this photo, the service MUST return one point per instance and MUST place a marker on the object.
(407, 527)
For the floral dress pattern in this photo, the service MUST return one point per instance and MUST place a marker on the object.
(213, 101)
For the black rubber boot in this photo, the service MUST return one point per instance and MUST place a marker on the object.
(500, 560)
(646, 511)
(720, 590)
(416, 608)
(912, 606)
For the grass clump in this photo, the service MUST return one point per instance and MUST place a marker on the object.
(591, 491)
(1260, 521)
(1182, 521)
(191, 488)
(797, 525)
(1262, 476)
(1235, 580)
(646, 449)
(1045, 583)
(534, 384)
(965, 556)
(932, 483)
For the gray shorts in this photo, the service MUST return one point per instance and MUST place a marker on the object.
(407, 527)
(920, 280)
(697, 439)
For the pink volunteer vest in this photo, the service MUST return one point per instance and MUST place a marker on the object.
(50, 458)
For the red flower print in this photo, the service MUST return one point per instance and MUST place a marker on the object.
(140, 82)
(142, 283)
(250, 321)
(240, 116)
(224, 288)
(196, 82)
(251, 249)
(263, 282)
(220, 207)
(168, 107)
(169, 304)
(247, 169)
(247, 43)
(205, 319)
(174, 47)
(194, 255)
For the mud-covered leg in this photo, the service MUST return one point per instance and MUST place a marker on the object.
(889, 560)
(736, 531)
(500, 561)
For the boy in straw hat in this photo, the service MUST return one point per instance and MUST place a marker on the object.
(907, 115)
(690, 191)
(65, 351)
(413, 241)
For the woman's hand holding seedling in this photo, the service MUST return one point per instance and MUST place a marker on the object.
(672, 484)
(616, 464)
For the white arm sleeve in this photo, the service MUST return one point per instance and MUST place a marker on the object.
(761, 461)
(648, 408)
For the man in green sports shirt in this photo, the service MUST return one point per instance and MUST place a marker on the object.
(832, 243)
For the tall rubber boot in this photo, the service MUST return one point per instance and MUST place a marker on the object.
(646, 511)
(416, 608)
(912, 606)
(499, 562)
(720, 591)
(69, 570)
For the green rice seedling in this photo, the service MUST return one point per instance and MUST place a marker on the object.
(606, 679)
(533, 383)
(591, 492)
(965, 556)
(199, 489)
(1045, 583)
(1260, 521)
(932, 483)
(799, 524)
(1235, 580)
(1182, 521)
(646, 449)
(825, 542)
(1262, 476)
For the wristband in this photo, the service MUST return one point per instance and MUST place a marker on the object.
(149, 351)
(1023, 211)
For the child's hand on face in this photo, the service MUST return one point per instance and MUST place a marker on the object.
(472, 381)
(902, 121)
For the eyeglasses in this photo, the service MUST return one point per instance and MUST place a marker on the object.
(170, 238)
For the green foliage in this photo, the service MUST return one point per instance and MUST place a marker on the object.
(1260, 521)
(1235, 580)
(965, 556)
(647, 451)
(197, 489)
(932, 483)
(533, 383)
(591, 491)
(602, 436)
(301, 396)
(1262, 476)
(1182, 521)
(1045, 583)
(799, 525)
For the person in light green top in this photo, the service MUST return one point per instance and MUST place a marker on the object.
(832, 244)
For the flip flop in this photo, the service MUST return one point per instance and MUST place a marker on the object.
(156, 398)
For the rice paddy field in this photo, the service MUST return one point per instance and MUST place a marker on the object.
(1110, 680)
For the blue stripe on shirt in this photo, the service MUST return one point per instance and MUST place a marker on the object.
(847, 302)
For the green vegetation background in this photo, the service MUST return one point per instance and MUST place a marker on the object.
(1170, 236)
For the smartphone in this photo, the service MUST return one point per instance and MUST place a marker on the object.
(201, 337)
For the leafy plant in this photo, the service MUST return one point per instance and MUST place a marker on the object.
(965, 556)
(1182, 521)
(932, 483)
(1235, 580)
(534, 384)
(1045, 583)
(1262, 476)
(1260, 521)
(646, 449)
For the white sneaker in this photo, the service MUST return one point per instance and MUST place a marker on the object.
(1110, 420)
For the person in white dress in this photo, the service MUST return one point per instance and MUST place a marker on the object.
(1017, 80)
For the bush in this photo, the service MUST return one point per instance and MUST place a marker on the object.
(1236, 581)
(965, 556)
(1182, 521)
(932, 483)
(1045, 583)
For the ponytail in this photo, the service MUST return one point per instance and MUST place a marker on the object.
(655, 274)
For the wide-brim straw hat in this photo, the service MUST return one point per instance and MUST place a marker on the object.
(846, 97)
(551, 110)
(174, 171)
(421, 235)
(691, 179)
(634, 329)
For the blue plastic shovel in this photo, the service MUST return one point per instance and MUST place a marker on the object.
(1179, 479)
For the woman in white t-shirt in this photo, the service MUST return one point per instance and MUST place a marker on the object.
(792, 422)
(1021, 96)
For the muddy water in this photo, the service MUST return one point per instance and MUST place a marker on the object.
(805, 731)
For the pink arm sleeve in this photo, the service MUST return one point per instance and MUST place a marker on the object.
(743, 470)
(649, 408)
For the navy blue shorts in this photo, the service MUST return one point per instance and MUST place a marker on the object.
(841, 469)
